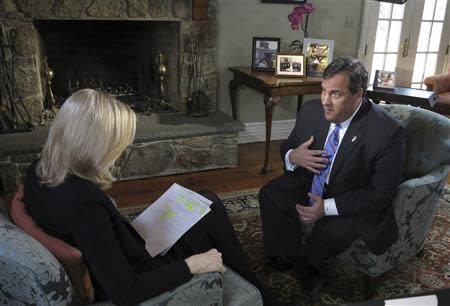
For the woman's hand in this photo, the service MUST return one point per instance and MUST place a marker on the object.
(210, 261)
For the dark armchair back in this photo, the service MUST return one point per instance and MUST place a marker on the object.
(427, 139)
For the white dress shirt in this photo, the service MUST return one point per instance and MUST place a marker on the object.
(329, 204)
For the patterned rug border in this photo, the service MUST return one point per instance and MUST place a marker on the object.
(238, 193)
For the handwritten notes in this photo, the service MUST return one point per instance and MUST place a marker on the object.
(169, 217)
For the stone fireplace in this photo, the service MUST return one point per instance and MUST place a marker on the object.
(118, 57)
(112, 45)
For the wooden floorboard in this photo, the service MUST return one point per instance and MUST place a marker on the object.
(246, 175)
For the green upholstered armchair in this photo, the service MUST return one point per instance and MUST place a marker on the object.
(31, 275)
(427, 166)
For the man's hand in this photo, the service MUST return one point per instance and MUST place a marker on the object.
(210, 261)
(313, 160)
(310, 214)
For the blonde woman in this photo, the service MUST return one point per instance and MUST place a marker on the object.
(64, 195)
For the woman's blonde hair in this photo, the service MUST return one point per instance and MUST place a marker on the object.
(87, 136)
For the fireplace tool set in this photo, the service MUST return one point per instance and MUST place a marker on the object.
(197, 104)
(14, 116)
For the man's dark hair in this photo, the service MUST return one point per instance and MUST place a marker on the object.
(357, 72)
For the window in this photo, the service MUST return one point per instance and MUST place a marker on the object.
(411, 39)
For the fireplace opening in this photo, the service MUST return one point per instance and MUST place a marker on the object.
(136, 61)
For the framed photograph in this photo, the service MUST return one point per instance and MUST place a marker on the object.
(384, 79)
(290, 65)
(319, 53)
(264, 53)
(284, 1)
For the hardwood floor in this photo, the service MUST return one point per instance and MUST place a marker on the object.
(246, 175)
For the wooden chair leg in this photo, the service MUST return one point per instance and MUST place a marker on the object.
(369, 287)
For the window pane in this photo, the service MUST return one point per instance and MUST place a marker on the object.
(422, 44)
(391, 62)
(398, 10)
(377, 64)
(419, 66)
(416, 85)
(385, 10)
(428, 10)
(435, 38)
(394, 36)
(381, 36)
(430, 66)
(441, 6)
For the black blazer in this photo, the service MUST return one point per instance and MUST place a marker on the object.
(366, 172)
(81, 214)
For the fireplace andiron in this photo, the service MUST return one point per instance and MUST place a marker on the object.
(160, 69)
(50, 109)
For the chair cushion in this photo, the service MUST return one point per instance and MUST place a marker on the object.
(70, 257)
(29, 273)
(438, 83)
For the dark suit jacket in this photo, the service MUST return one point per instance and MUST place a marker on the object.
(81, 214)
(367, 168)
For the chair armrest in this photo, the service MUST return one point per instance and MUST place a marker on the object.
(202, 289)
(416, 193)
(228, 289)
(436, 175)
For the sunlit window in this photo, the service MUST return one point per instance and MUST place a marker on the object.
(387, 38)
(429, 41)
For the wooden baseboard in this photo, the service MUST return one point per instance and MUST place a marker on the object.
(256, 131)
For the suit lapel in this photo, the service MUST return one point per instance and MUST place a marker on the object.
(351, 139)
(321, 135)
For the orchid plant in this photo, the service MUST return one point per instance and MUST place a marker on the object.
(299, 19)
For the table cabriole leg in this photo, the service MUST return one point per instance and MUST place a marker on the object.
(232, 87)
(269, 103)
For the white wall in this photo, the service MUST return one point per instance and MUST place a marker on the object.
(241, 20)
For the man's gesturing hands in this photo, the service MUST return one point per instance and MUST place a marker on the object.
(313, 160)
(210, 261)
(310, 214)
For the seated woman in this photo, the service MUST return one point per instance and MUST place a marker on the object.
(64, 195)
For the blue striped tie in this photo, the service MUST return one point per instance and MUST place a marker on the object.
(320, 178)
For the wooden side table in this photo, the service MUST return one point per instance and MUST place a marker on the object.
(272, 88)
(403, 95)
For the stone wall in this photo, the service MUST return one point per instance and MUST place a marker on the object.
(20, 14)
(148, 159)
(188, 145)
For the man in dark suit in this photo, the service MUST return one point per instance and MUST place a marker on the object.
(343, 162)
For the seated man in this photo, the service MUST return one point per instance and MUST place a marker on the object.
(343, 161)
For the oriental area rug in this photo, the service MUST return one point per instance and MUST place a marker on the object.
(430, 272)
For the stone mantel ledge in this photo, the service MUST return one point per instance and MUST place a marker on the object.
(165, 144)
(148, 128)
